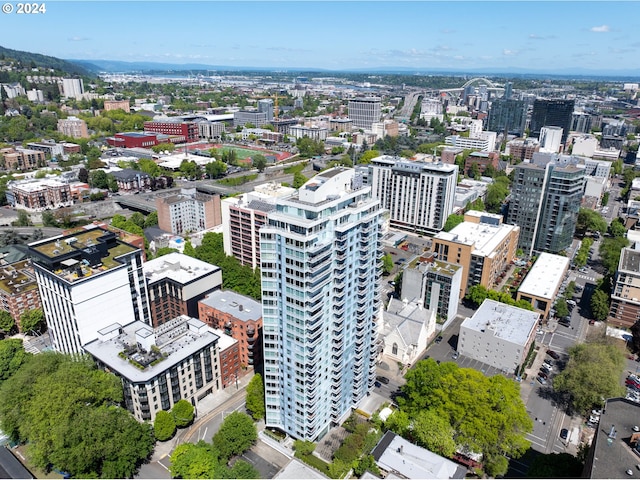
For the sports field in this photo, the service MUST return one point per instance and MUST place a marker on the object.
(243, 152)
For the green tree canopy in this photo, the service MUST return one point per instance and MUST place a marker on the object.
(486, 413)
(236, 434)
(32, 320)
(453, 221)
(562, 309)
(215, 169)
(497, 192)
(610, 249)
(7, 323)
(92, 437)
(164, 426)
(12, 356)
(182, 413)
(259, 161)
(367, 156)
(387, 264)
(589, 220)
(435, 433)
(198, 460)
(592, 374)
(255, 397)
(151, 220)
(600, 305)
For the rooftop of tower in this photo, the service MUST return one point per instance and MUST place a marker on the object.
(79, 255)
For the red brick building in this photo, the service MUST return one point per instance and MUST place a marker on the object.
(188, 130)
(18, 289)
(230, 366)
(133, 140)
(238, 316)
(482, 159)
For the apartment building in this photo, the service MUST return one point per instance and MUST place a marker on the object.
(117, 105)
(179, 360)
(258, 119)
(364, 112)
(552, 113)
(176, 283)
(73, 127)
(18, 290)
(436, 283)
(522, 149)
(482, 245)
(39, 195)
(22, 158)
(498, 335)
(482, 160)
(86, 280)
(320, 271)
(486, 141)
(134, 140)
(507, 115)
(242, 217)
(189, 211)
(625, 297)
(544, 203)
(418, 195)
(130, 180)
(72, 88)
(237, 316)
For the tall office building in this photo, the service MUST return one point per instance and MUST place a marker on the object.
(88, 280)
(320, 258)
(544, 203)
(365, 111)
(418, 195)
(552, 113)
(266, 106)
(509, 115)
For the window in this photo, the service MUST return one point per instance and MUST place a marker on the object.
(394, 349)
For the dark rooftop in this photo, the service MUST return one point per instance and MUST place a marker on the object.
(630, 260)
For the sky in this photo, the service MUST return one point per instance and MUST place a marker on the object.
(544, 36)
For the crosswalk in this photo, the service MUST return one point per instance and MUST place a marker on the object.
(586, 277)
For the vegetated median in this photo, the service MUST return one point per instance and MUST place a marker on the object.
(235, 181)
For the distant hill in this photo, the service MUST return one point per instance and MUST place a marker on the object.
(117, 66)
(45, 61)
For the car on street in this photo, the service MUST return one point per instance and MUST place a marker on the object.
(455, 355)
(381, 379)
(541, 380)
(377, 384)
(438, 339)
(583, 270)
(553, 354)
(564, 433)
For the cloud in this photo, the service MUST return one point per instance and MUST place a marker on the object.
(535, 36)
(78, 39)
(509, 53)
(600, 29)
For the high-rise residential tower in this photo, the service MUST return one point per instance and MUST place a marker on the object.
(509, 115)
(544, 203)
(320, 267)
(418, 195)
(364, 111)
(552, 113)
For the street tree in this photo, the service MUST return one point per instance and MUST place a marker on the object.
(433, 432)
(589, 220)
(367, 156)
(299, 179)
(164, 426)
(198, 460)
(23, 220)
(617, 228)
(255, 397)
(562, 309)
(215, 169)
(592, 374)
(32, 320)
(600, 305)
(151, 220)
(7, 323)
(182, 413)
(259, 161)
(387, 264)
(610, 250)
(236, 435)
(12, 356)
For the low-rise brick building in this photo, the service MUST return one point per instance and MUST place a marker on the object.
(18, 289)
(238, 316)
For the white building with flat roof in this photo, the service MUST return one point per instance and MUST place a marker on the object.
(498, 335)
(541, 285)
(158, 367)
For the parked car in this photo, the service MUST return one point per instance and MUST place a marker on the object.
(564, 433)
(438, 338)
(384, 380)
(553, 354)
(455, 355)
(543, 375)
(545, 370)
(541, 380)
